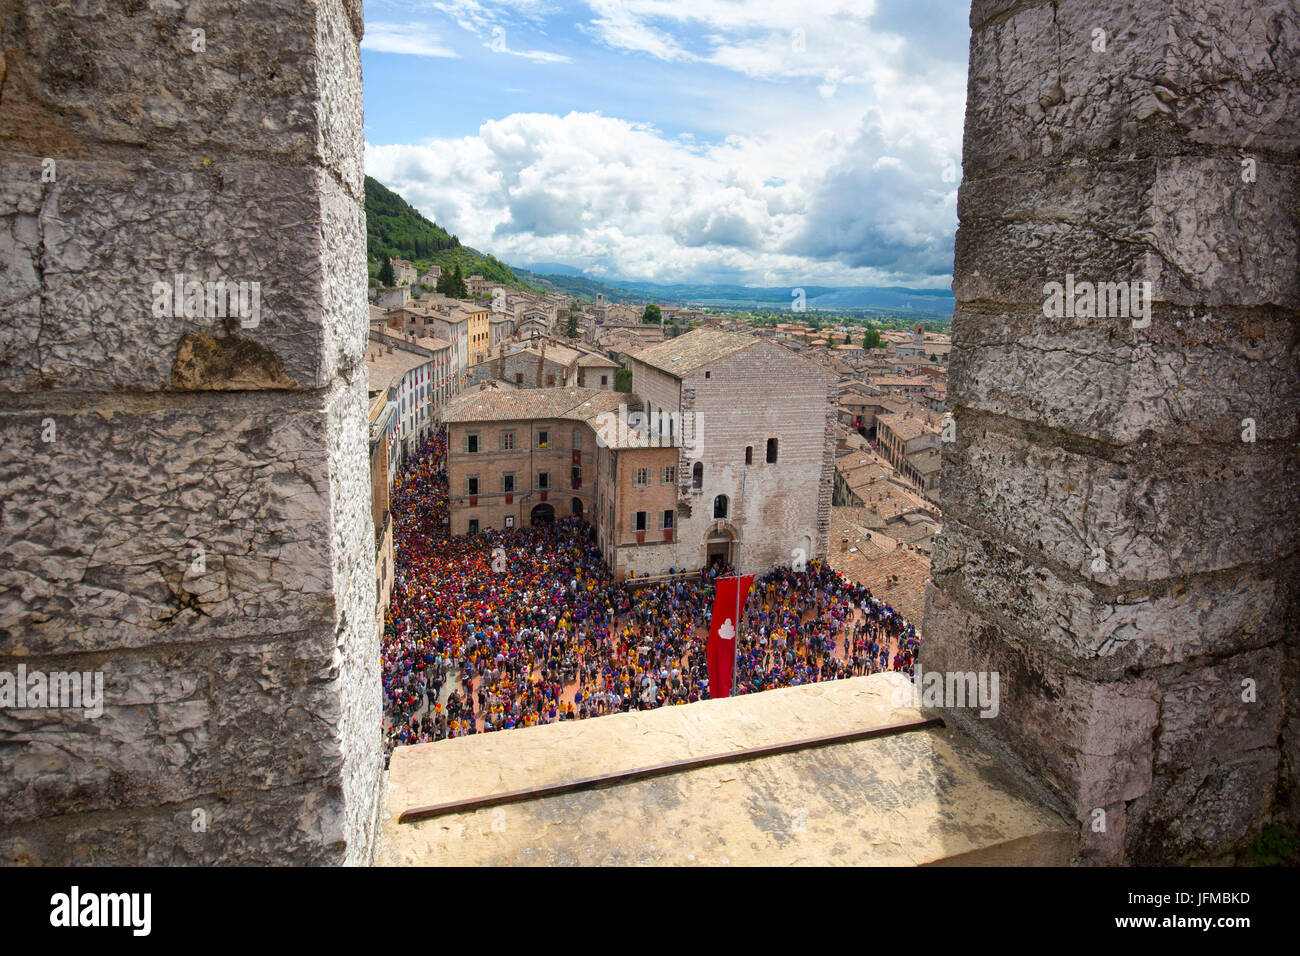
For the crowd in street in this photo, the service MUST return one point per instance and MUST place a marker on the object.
(511, 628)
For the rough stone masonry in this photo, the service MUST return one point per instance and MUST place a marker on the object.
(185, 490)
(1121, 502)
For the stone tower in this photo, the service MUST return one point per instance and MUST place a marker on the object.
(1121, 502)
(186, 489)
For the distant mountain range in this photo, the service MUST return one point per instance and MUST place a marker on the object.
(891, 299)
(395, 228)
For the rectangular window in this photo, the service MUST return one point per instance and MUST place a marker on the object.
(519, 378)
(640, 520)
(642, 476)
(543, 480)
(507, 441)
(550, 380)
(508, 483)
(472, 527)
(471, 485)
(668, 520)
(771, 451)
(471, 444)
(543, 439)
(604, 380)
(670, 474)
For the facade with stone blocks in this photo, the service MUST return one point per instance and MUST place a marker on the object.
(1122, 499)
(760, 423)
(761, 493)
(519, 455)
(187, 497)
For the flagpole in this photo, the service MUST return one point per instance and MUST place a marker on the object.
(740, 527)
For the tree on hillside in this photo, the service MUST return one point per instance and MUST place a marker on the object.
(386, 277)
(572, 330)
(847, 339)
(452, 283)
(651, 315)
(933, 357)
(871, 339)
(623, 380)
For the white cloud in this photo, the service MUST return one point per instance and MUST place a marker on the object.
(852, 112)
(414, 39)
(619, 27)
(618, 199)
(498, 45)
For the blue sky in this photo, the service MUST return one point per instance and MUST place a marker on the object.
(768, 143)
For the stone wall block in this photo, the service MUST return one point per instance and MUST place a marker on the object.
(1148, 516)
(1211, 377)
(175, 723)
(1042, 86)
(1191, 226)
(166, 524)
(1091, 741)
(1099, 632)
(275, 78)
(95, 244)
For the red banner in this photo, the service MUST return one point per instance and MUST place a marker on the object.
(724, 631)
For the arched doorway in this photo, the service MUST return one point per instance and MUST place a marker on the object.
(719, 547)
(543, 514)
(575, 507)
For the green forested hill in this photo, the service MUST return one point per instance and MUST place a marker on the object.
(394, 228)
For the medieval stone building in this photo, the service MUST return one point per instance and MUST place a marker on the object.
(677, 481)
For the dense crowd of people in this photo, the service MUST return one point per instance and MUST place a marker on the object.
(513, 628)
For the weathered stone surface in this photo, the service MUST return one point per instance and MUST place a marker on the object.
(1150, 514)
(1098, 632)
(1091, 740)
(1170, 76)
(1190, 379)
(1120, 503)
(224, 829)
(355, 658)
(1194, 813)
(982, 11)
(276, 78)
(1215, 712)
(922, 797)
(1189, 225)
(105, 233)
(186, 505)
(177, 723)
(151, 523)
(1289, 782)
